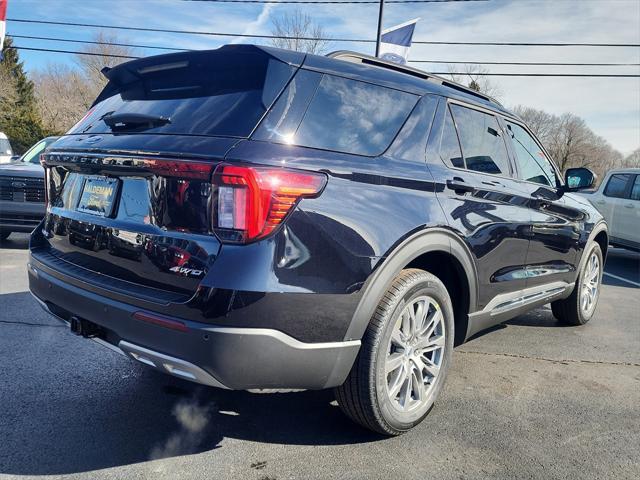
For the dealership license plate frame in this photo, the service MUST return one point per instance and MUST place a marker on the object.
(101, 200)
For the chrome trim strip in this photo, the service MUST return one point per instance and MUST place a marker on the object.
(171, 365)
(512, 300)
(283, 337)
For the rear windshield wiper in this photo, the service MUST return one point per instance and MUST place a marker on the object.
(135, 121)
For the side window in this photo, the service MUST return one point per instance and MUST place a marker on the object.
(483, 147)
(411, 142)
(617, 185)
(533, 164)
(353, 117)
(32, 155)
(283, 119)
(635, 190)
(449, 144)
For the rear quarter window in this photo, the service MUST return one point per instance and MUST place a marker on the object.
(354, 117)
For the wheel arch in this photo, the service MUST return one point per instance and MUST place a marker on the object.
(599, 234)
(431, 249)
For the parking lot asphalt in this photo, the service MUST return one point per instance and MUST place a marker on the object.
(527, 399)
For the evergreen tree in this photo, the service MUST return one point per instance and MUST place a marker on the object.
(19, 118)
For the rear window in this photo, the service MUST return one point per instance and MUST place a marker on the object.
(217, 94)
(339, 114)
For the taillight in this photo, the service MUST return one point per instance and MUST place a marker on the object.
(250, 202)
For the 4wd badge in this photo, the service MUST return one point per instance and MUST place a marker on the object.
(188, 272)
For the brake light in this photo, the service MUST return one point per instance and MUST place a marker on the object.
(250, 202)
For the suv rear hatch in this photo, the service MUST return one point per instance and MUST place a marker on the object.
(129, 186)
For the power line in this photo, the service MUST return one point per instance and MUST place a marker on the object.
(95, 42)
(92, 54)
(530, 44)
(593, 75)
(509, 74)
(441, 62)
(356, 40)
(187, 32)
(347, 2)
(557, 64)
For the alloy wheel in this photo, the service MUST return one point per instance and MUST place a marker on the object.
(590, 284)
(415, 353)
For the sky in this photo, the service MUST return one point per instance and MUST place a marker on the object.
(611, 106)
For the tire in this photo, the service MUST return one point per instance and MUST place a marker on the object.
(4, 234)
(368, 395)
(571, 310)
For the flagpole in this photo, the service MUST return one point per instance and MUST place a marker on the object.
(379, 36)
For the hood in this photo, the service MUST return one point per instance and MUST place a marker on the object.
(22, 169)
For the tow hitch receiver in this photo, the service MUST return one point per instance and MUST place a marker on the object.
(83, 327)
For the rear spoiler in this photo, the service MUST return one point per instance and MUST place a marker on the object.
(134, 70)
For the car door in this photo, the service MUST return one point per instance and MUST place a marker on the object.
(598, 200)
(481, 199)
(617, 204)
(556, 219)
(628, 217)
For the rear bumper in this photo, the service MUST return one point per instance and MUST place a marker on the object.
(20, 216)
(227, 357)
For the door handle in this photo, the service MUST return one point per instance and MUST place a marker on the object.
(628, 205)
(493, 183)
(600, 202)
(457, 185)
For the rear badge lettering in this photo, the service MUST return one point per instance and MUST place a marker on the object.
(191, 272)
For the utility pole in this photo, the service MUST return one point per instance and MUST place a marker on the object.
(379, 37)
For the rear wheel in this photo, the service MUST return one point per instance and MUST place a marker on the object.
(4, 234)
(404, 357)
(579, 307)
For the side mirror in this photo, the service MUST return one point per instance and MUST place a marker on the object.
(578, 179)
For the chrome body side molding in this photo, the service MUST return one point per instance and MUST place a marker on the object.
(508, 305)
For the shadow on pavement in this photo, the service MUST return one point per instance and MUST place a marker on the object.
(16, 241)
(70, 405)
(624, 264)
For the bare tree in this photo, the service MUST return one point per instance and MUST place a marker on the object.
(63, 94)
(303, 34)
(542, 123)
(632, 160)
(570, 141)
(102, 55)
(474, 76)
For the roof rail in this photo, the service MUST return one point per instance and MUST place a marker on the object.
(355, 57)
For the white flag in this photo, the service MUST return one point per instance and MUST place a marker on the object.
(396, 41)
(3, 21)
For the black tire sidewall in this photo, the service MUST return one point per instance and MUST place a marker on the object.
(428, 286)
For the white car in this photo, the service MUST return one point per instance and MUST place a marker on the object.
(6, 152)
(618, 199)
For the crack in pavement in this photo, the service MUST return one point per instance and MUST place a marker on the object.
(29, 324)
(554, 360)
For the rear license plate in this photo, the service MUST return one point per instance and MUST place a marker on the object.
(98, 196)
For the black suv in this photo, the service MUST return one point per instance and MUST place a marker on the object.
(250, 217)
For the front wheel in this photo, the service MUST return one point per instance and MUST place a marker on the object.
(579, 307)
(405, 354)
